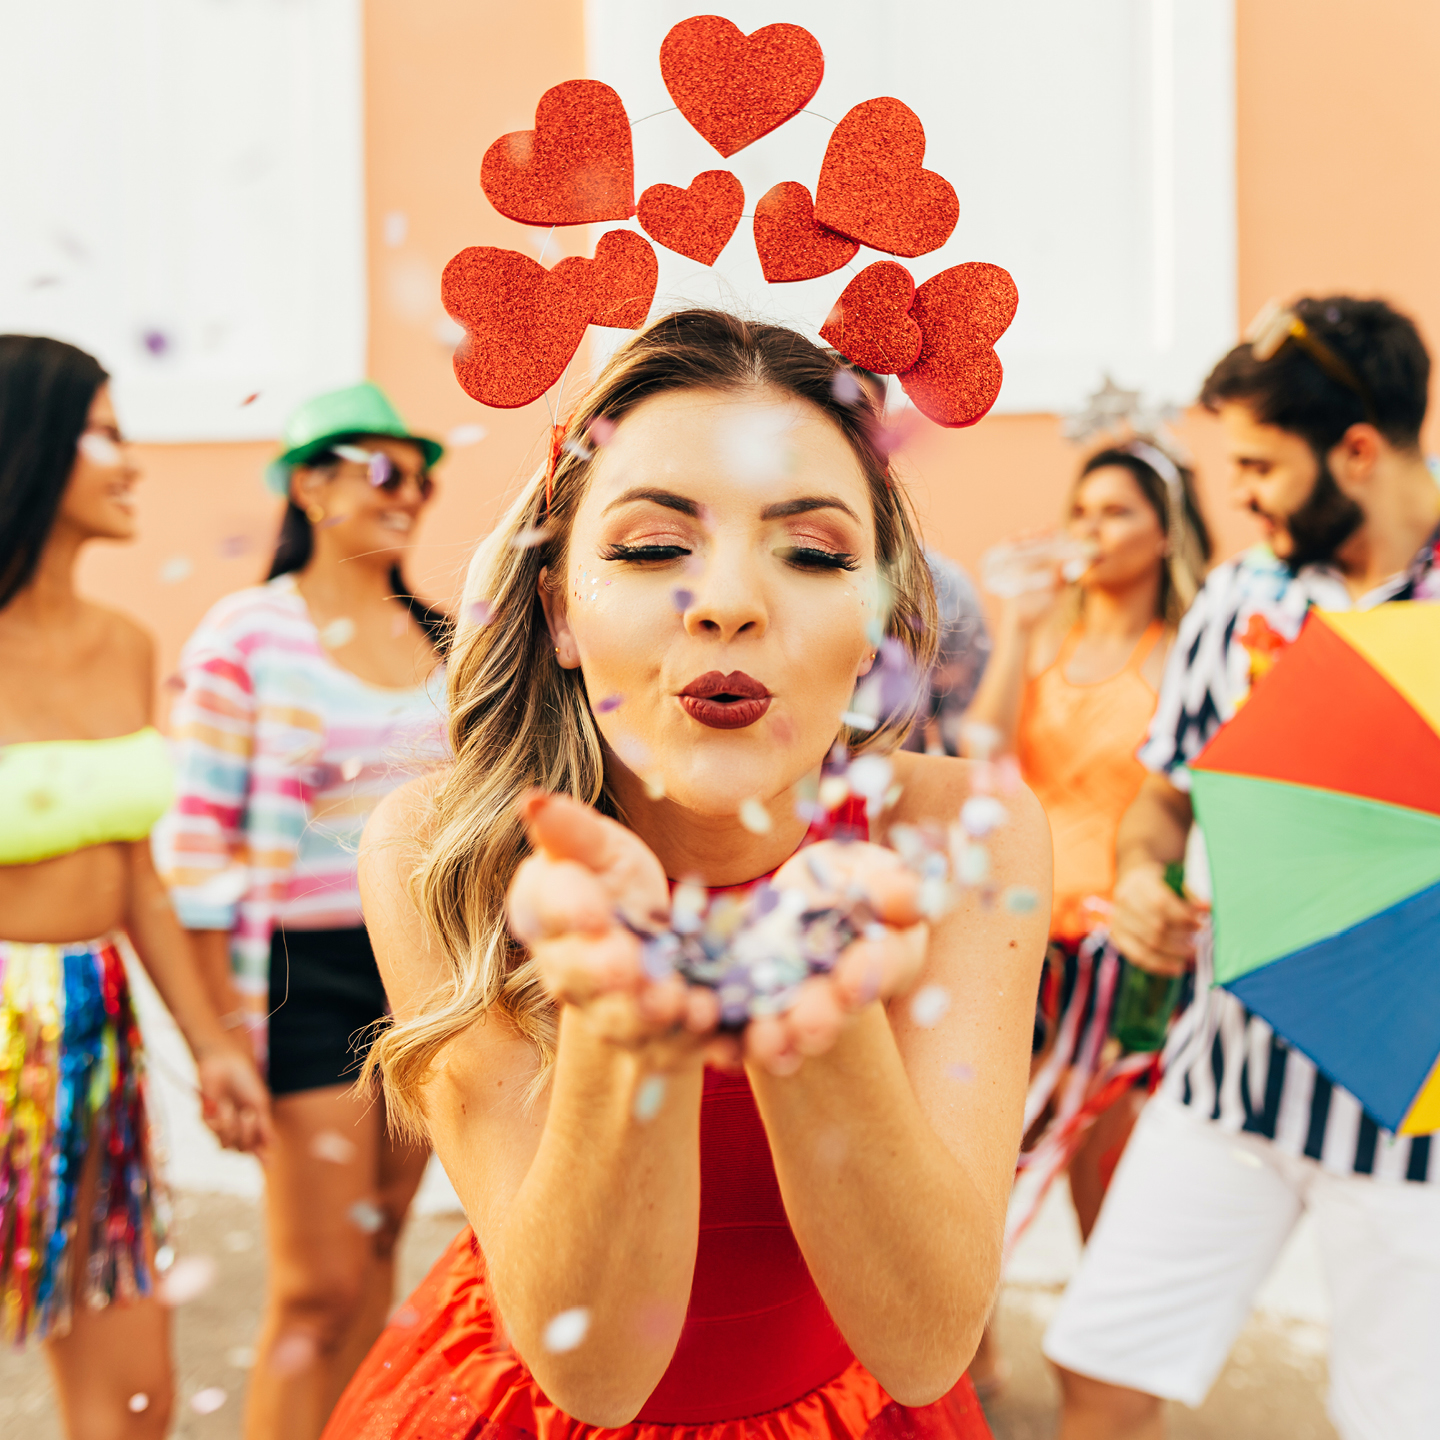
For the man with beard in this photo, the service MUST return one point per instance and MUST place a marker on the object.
(1321, 409)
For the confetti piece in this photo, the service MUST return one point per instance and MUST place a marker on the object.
(338, 632)
(332, 1146)
(600, 431)
(963, 1073)
(406, 1317)
(654, 783)
(293, 1353)
(240, 1357)
(175, 682)
(649, 1098)
(578, 449)
(233, 546)
(982, 814)
(567, 1330)
(1246, 1158)
(1020, 900)
(448, 332)
(250, 399)
(834, 791)
(482, 612)
(176, 569)
(929, 1006)
(138, 1403)
(462, 436)
(856, 721)
(870, 776)
(188, 1277)
(397, 228)
(972, 866)
(980, 740)
(156, 342)
(529, 538)
(755, 817)
(350, 768)
(934, 898)
(682, 599)
(165, 1256)
(237, 1242)
(366, 1216)
(208, 1400)
(609, 703)
(99, 450)
(40, 801)
(845, 387)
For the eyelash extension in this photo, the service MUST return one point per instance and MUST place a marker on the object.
(641, 553)
(821, 559)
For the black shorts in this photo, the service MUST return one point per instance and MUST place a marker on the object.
(325, 997)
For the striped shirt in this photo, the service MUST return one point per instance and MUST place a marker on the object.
(281, 754)
(1222, 1061)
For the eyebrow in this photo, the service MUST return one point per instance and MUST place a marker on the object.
(671, 501)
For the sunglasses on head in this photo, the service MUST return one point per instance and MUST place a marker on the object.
(1276, 327)
(381, 471)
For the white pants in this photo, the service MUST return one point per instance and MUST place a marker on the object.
(1194, 1219)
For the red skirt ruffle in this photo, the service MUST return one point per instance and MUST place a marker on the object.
(441, 1371)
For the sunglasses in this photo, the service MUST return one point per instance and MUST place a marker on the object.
(382, 472)
(1275, 327)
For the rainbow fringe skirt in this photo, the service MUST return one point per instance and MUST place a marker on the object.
(71, 1082)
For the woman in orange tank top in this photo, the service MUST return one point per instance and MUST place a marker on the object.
(1069, 690)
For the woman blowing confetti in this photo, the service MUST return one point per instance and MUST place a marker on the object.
(682, 1227)
(83, 777)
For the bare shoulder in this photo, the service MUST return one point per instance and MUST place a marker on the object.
(935, 787)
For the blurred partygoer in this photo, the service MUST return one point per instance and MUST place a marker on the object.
(83, 777)
(305, 701)
(964, 649)
(1321, 413)
(1070, 689)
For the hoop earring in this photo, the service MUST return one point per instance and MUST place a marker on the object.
(315, 512)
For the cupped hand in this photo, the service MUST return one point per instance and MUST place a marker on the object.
(566, 905)
(234, 1102)
(1152, 926)
(885, 962)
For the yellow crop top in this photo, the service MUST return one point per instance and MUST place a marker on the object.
(62, 795)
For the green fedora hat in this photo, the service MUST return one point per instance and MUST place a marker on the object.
(340, 415)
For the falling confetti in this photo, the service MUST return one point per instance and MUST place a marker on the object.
(239, 1242)
(337, 633)
(234, 546)
(165, 1256)
(138, 1403)
(755, 817)
(834, 791)
(406, 1317)
(929, 1005)
(350, 768)
(293, 1353)
(189, 1276)
(250, 399)
(682, 599)
(600, 431)
(567, 1330)
(870, 776)
(208, 1400)
(366, 1216)
(649, 1098)
(155, 342)
(972, 865)
(845, 387)
(654, 783)
(175, 682)
(397, 228)
(99, 449)
(963, 1073)
(482, 612)
(609, 703)
(240, 1357)
(1244, 1157)
(448, 332)
(176, 569)
(1020, 900)
(461, 437)
(332, 1146)
(982, 814)
(530, 537)
(856, 721)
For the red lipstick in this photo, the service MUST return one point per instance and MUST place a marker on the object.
(725, 702)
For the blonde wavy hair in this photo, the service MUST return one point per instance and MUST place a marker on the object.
(519, 721)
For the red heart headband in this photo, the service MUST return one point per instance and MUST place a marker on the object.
(523, 323)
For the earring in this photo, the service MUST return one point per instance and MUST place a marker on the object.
(314, 512)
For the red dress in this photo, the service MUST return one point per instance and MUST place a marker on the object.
(758, 1354)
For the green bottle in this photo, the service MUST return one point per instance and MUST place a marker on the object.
(1145, 1002)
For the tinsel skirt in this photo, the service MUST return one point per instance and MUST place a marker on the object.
(71, 1083)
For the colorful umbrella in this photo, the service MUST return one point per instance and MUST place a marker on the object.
(1320, 803)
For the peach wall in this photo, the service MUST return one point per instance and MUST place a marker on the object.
(1337, 132)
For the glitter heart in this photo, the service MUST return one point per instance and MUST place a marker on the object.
(791, 246)
(620, 279)
(734, 88)
(961, 312)
(522, 323)
(873, 188)
(576, 166)
(871, 324)
(696, 222)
